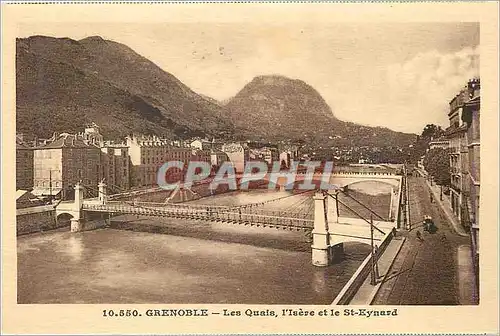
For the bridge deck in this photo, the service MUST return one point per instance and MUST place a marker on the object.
(269, 218)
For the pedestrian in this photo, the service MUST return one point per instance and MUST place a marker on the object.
(419, 236)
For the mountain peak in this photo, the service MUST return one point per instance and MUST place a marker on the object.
(94, 39)
(275, 79)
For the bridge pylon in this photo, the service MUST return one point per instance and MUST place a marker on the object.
(76, 224)
(103, 193)
(321, 255)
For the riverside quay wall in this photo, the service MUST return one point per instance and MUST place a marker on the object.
(43, 218)
(36, 219)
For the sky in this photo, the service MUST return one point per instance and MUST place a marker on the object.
(396, 75)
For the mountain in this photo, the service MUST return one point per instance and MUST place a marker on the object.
(276, 108)
(62, 84)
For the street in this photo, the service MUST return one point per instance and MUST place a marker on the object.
(429, 269)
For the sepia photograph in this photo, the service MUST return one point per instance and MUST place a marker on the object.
(208, 162)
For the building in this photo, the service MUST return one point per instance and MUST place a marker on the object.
(25, 199)
(92, 135)
(456, 133)
(267, 154)
(441, 142)
(203, 155)
(288, 154)
(24, 164)
(149, 153)
(205, 144)
(115, 161)
(471, 116)
(60, 164)
(238, 154)
(217, 158)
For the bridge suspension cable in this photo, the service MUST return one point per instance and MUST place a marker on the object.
(296, 205)
(357, 214)
(268, 201)
(364, 206)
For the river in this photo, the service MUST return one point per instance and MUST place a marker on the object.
(211, 263)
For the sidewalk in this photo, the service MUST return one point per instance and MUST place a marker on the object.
(444, 204)
(367, 292)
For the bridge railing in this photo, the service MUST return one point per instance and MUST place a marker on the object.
(358, 278)
(171, 205)
(212, 214)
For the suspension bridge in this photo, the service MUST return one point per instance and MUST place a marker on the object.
(315, 212)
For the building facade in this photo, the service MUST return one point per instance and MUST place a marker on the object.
(116, 166)
(59, 165)
(149, 153)
(238, 155)
(465, 159)
(471, 117)
(456, 133)
(442, 143)
(217, 158)
(267, 154)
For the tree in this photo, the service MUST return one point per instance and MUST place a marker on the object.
(432, 131)
(421, 144)
(437, 164)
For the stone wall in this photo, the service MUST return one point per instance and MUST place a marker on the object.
(37, 219)
(43, 218)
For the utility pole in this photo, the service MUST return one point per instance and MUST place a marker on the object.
(374, 276)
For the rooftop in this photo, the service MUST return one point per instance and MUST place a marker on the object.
(66, 140)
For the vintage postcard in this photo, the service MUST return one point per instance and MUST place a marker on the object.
(222, 168)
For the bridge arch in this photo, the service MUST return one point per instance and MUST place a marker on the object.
(64, 217)
(337, 240)
(391, 182)
(386, 184)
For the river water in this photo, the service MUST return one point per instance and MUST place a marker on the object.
(194, 263)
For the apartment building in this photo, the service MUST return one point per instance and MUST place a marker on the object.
(60, 164)
(149, 153)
